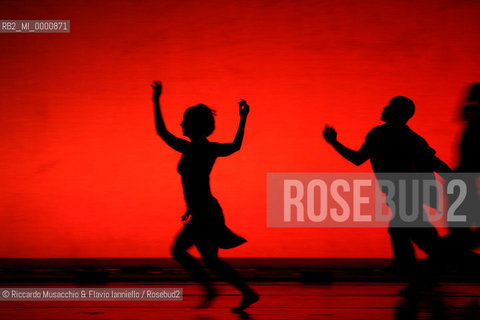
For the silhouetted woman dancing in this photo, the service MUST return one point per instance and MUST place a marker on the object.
(204, 222)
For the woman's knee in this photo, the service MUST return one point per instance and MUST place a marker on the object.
(211, 261)
(178, 252)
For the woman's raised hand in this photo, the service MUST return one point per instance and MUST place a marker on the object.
(157, 90)
(244, 108)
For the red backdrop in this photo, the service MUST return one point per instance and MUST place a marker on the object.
(84, 174)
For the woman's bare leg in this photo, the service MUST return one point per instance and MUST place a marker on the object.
(210, 258)
(179, 252)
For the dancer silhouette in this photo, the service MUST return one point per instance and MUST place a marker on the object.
(469, 151)
(470, 160)
(204, 221)
(394, 148)
(464, 237)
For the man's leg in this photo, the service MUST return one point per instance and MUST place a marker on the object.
(428, 240)
(404, 262)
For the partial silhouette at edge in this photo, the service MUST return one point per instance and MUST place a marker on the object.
(464, 238)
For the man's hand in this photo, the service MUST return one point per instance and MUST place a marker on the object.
(330, 134)
(157, 90)
(244, 108)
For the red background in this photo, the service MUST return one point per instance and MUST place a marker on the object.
(84, 174)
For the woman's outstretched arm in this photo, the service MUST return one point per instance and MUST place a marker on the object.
(227, 149)
(174, 142)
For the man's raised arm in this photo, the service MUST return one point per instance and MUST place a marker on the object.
(355, 157)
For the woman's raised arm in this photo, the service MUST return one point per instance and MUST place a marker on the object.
(227, 149)
(174, 142)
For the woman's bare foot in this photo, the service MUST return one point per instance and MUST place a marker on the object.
(247, 301)
(211, 295)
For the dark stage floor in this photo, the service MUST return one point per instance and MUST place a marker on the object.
(280, 300)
